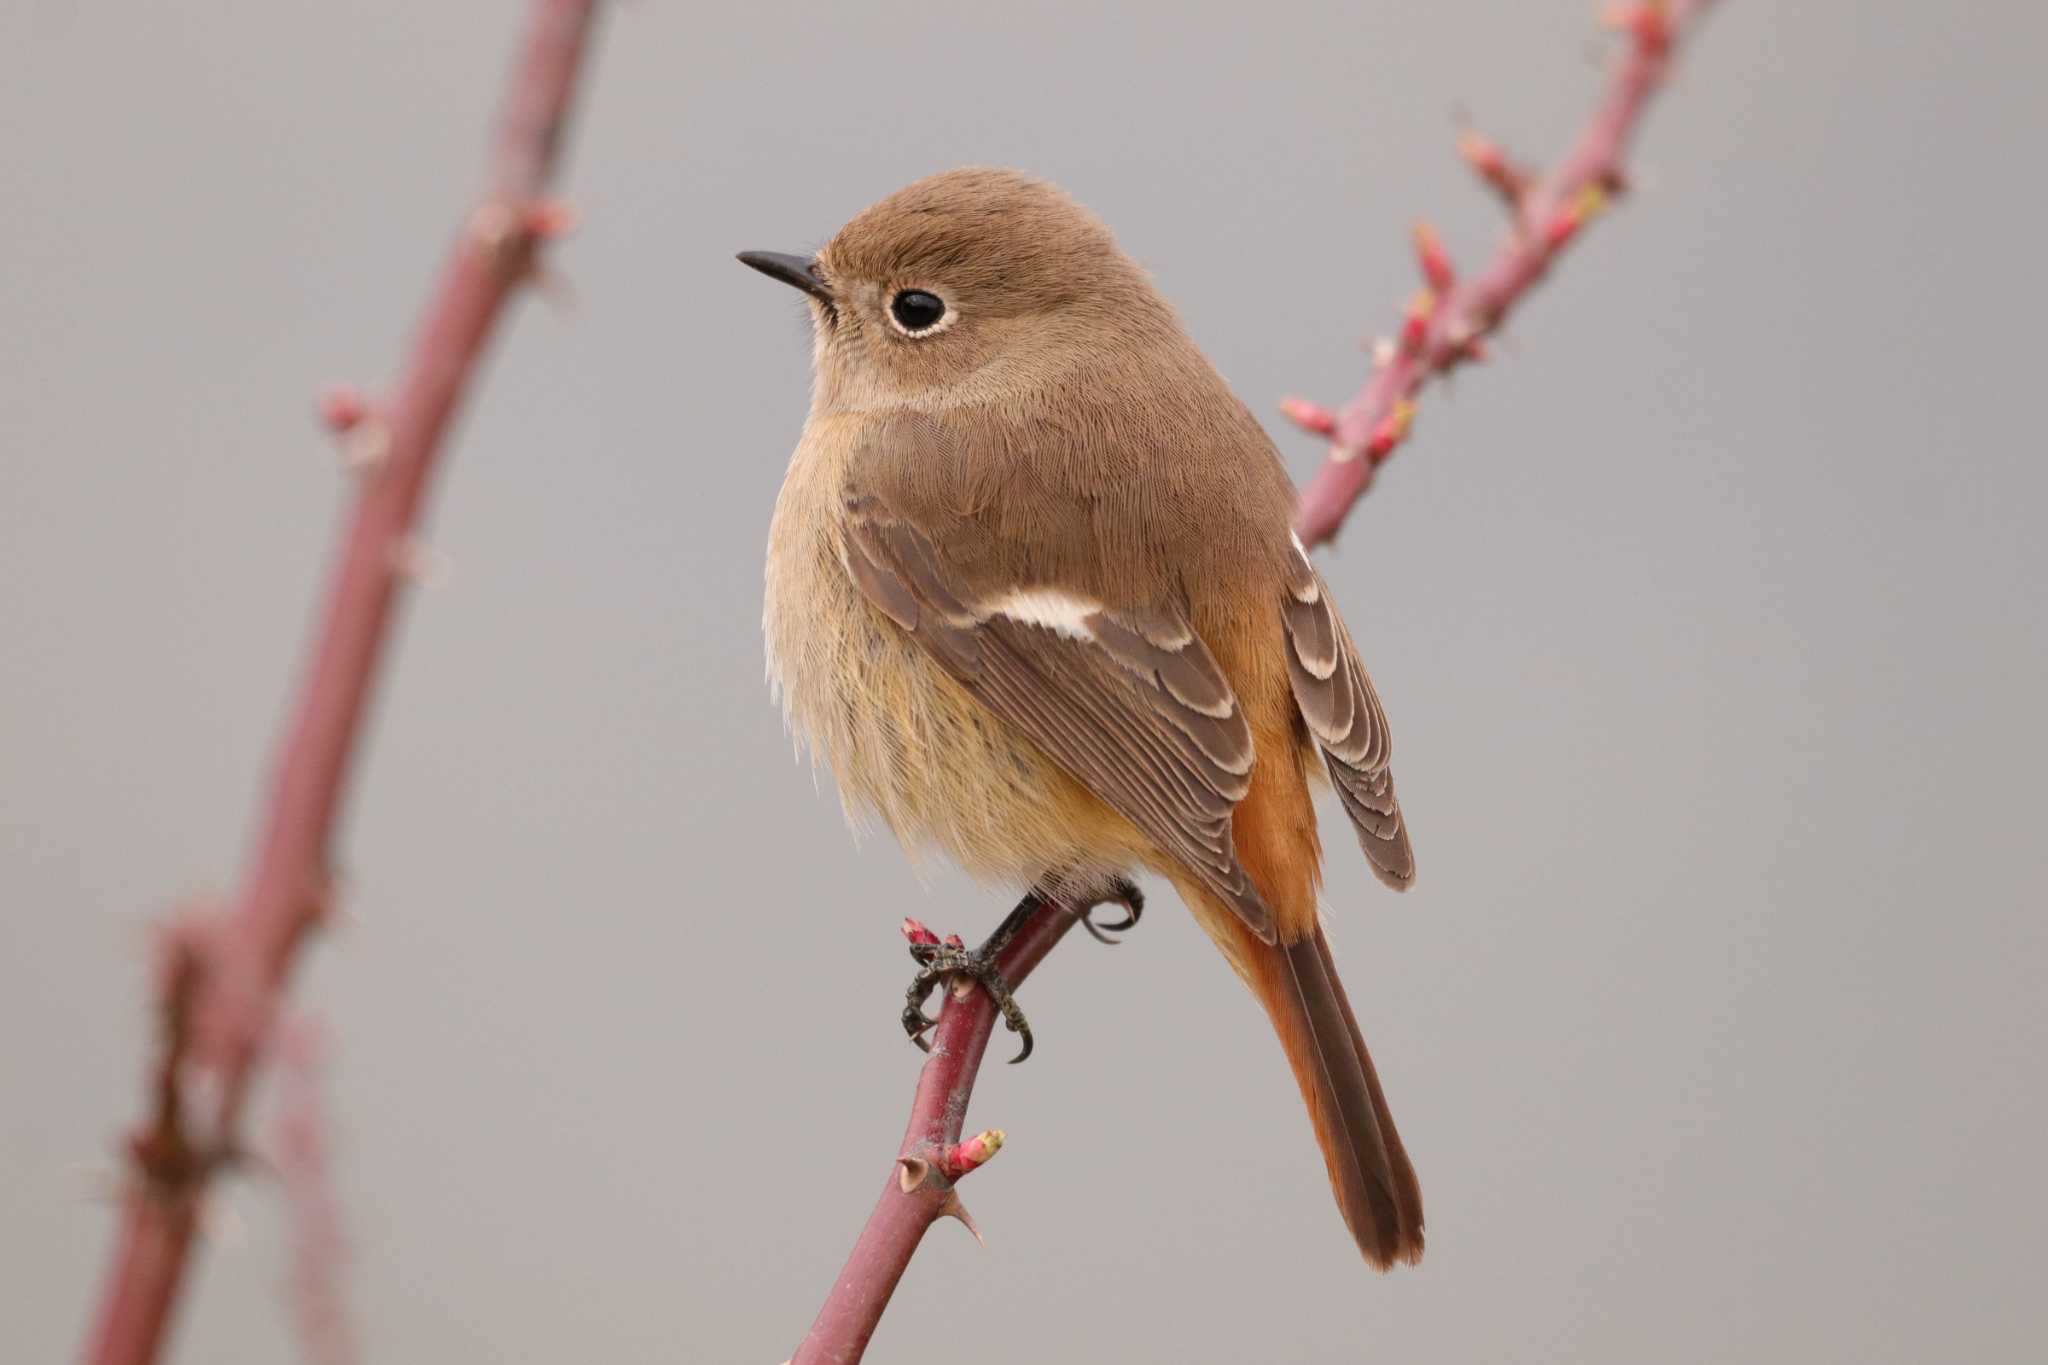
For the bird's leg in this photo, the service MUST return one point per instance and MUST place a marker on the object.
(939, 959)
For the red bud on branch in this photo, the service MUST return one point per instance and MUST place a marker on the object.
(1415, 324)
(342, 407)
(1434, 260)
(1649, 24)
(1499, 174)
(1392, 430)
(962, 1157)
(1311, 417)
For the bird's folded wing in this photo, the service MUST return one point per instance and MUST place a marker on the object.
(1343, 713)
(1129, 702)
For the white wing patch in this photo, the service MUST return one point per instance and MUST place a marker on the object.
(1050, 608)
(1308, 593)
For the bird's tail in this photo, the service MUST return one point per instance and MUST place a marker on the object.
(1369, 1171)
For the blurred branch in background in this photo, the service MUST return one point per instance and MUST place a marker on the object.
(1444, 327)
(299, 1153)
(1447, 323)
(221, 976)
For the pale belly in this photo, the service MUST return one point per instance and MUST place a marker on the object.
(905, 742)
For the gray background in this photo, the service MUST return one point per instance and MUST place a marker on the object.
(1709, 618)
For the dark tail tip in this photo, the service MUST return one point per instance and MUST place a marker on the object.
(1369, 1170)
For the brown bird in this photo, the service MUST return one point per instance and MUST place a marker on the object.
(1033, 595)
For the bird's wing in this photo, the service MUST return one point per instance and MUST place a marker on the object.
(1343, 713)
(1127, 700)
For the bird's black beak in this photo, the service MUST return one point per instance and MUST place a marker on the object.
(793, 270)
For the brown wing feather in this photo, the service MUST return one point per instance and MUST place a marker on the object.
(1134, 707)
(1343, 713)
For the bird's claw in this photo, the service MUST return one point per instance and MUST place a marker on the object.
(940, 960)
(936, 963)
(1121, 892)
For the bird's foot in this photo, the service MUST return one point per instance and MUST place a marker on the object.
(941, 960)
(947, 959)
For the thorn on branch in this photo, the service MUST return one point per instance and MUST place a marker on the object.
(953, 1208)
(420, 563)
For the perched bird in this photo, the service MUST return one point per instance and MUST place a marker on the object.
(1033, 595)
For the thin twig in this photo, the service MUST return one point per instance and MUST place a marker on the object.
(1446, 327)
(1447, 323)
(222, 1005)
(921, 1188)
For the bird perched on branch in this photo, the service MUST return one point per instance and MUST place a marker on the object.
(1033, 595)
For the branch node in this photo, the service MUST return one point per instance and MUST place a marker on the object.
(946, 1163)
(419, 563)
(1589, 203)
(1391, 431)
(166, 1160)
(503, 234)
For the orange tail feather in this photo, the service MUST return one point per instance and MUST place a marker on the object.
(1370, 1173)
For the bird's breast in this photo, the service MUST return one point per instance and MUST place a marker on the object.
(905, 742)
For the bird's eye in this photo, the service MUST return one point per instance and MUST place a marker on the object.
(916, 311)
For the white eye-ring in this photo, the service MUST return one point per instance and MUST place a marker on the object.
(919, 313)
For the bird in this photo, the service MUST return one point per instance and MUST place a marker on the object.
(1033, 595)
